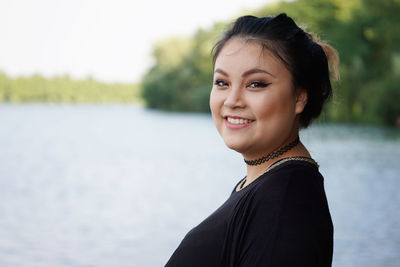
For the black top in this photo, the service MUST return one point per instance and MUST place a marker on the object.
(281, 219)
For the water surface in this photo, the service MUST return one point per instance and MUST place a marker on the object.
(118, 185)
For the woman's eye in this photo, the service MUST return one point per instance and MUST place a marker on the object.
(258, 85)
(220, 83)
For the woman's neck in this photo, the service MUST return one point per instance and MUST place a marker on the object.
(254, 171)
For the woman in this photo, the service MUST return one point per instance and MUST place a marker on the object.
(270, 79)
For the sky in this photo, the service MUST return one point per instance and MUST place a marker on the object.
(109, 40)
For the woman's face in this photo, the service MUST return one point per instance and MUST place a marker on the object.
(253, 102)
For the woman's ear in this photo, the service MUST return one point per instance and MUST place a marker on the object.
(301, 100)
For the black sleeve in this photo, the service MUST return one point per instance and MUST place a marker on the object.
(289, 224)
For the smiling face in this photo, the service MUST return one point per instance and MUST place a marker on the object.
(253, 103)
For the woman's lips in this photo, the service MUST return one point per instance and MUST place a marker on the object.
(236, 122)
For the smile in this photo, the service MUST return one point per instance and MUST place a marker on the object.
(235, 122)
(238, 121)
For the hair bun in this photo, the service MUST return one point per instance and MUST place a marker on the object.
(331, 55)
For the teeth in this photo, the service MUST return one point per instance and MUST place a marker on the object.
(238, 121)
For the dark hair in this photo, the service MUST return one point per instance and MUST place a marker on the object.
(304, 55)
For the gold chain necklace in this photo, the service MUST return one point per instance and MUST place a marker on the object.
(276, 164)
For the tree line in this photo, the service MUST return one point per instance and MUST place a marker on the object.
(366, 34)
(37, 88)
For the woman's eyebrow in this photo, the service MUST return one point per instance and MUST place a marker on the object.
(221, 72)
(246, 73)
(252, 71)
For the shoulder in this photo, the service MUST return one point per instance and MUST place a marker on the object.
(289, 188)
(294, 191)
(293, 179)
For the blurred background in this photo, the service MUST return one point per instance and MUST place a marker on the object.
(108, 154)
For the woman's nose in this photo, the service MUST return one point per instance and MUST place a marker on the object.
(234, 99)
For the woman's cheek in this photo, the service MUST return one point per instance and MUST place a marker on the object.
(214, 105)
(215, 99)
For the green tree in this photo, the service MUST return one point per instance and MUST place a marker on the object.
(181, 85)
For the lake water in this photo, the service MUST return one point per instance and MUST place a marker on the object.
(119, 185)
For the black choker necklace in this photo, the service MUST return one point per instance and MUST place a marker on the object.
(274, 154)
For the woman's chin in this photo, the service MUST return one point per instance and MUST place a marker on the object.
(238, 147)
